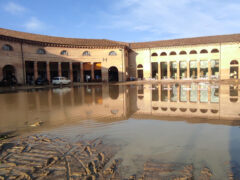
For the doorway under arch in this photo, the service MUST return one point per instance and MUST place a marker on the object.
(8, 71)
(9, 75)
(140, 71)
(113, 74)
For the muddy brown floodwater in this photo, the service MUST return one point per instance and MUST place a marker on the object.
(146, 131)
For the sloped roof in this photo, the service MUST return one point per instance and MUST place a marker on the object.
(37, 38)
(187, 41)
(59, 40)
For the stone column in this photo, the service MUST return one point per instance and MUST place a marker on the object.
(81, 72)
(71, 71)
(82, 93)
(198, 94)
(72, 97)
(178, 94)
(48, 71)
(209, 94)
(168, 93)
(92, 71)
(188, 93)
(35, 69)
(198, 69)
(59, 69)
(168, 70)
(93, 95)
(188, 69)
(209, 70)
(160, 91)
(178, 70)
(159, 71)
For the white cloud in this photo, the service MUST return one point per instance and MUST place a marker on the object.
(176, 19)
(34, 24)
(14, 8)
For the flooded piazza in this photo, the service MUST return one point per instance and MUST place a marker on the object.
(134, 131)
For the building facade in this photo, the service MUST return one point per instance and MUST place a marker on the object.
(29, 56)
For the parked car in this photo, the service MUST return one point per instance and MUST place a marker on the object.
(41, 81)
(60, 80)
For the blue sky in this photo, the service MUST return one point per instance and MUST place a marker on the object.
(122, 20)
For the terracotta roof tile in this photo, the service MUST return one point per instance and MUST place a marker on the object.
(59, 40)
(187, 41)
(109, 43)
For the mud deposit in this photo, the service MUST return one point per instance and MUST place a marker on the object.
(41, 157)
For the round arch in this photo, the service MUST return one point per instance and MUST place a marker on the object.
(140, 71)
(193, 52)
(9, 77)
(112, 74)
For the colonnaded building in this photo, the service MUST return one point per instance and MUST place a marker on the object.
(29, 56)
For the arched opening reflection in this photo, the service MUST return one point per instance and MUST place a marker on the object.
(113, 91)
(193, 110)
(164, 108)
(214, 111)
(233, 93)
(203, 110)
(183, 109)
(173, 109)
(155, 108)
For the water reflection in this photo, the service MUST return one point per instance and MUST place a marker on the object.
(173, 92)
(183, 93)
(119, 102)
(127, 116)
(194, 93)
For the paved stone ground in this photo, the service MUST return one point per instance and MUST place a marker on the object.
(42, 157)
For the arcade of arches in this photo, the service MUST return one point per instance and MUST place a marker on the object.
(96, 60)
(76, 71)
(188, 70)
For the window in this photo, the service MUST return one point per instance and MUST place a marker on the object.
(64, 52)
(182, 53)
(112, 53)
(140, 66)
(163, 54)
(193, 52)
(204, 51)
(41, 51)
(154, 54)
(86, 53)
(7, 47)
(173, 53)
(215, 51)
